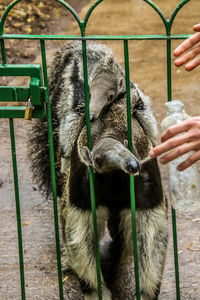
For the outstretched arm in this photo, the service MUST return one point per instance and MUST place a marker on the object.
(190, 49)
(173, 146)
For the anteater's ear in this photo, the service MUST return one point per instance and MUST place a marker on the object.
(86, 156)
(121, 84)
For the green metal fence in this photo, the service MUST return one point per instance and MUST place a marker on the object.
(38, 92)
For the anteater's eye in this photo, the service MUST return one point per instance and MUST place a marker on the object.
(99, 160)
(110, 97)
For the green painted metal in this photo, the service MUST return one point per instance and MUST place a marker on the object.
(15, 93)
(84, 23)
(18, 112)
(35, 91)
(21, 70)
(94, 37)
(39, 93)
(92, 188)
(132, 187)
(3, 51)
(17, 203)
(18, 94)
(168, 27)
(175, 245)
(53, 174)
(96, 241)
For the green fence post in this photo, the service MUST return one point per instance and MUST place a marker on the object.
(132, 187)
(91, 176)
(53, 176)
(16, 186)
(175, 244)
(17, 200)
(168, 26)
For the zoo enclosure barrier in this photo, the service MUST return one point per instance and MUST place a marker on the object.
(38, 93)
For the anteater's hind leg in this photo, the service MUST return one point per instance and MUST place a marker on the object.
(152, 237)
(79, 254)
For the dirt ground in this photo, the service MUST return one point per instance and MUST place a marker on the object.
(148, 69)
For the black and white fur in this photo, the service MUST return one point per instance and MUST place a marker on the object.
(106, 83)
(67, 96)
(112, 162)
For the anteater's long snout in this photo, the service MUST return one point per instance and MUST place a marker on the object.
(133, 166)
(113, 155)
(109, 154)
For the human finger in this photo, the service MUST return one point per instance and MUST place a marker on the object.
(179, 151)
(196, 27)
(169, 144)
(187, 44)
(194, 63)
(187, 57)
(189, 161)
(192, 124)
(176, 129)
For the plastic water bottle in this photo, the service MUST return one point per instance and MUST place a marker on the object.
(184, 186)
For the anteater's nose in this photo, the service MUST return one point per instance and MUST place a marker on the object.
(133, 166)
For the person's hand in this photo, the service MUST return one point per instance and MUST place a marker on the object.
(188, 141)
(190, 49)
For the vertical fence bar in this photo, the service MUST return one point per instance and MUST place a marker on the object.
(169, 94)
(19, 228)
(3, 52)
(91, 176)
(176, 263)
(53, 176)
(16, 185)
(169, 73)
(132, 187)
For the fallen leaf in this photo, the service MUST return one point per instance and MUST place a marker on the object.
(2, 243)
(26, 223)
(192, 249)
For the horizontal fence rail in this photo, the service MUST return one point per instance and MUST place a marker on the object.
(94, 37)
(44, 103)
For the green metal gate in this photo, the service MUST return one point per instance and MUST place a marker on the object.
(38, 91)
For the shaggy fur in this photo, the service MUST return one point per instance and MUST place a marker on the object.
(112, 163)
(67, 96)
(106, 83)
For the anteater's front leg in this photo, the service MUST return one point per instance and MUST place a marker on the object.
(79, 254)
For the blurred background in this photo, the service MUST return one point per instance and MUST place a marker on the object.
(148, 68)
